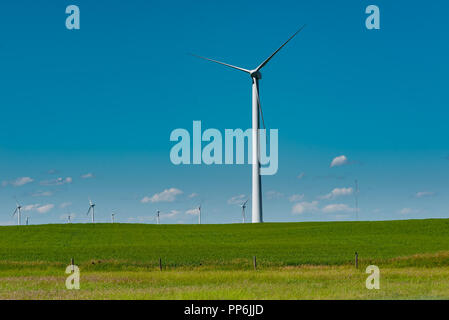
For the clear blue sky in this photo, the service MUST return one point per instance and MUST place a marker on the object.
(101, 101)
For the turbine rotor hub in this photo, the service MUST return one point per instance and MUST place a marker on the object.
(256, 74)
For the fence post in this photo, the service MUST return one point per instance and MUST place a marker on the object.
(255, 263)
(160, 264)
(356, 260)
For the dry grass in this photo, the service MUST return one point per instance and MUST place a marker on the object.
(307, 282)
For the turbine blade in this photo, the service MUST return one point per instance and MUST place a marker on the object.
(269, 58)
(88, 211)
(17, 202)
(219, 62)
(14, 213)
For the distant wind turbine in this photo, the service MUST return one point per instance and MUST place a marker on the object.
(158, 216)
(199, 214)
(69, 216)
(91, 208)
(18, 212)
(27, 218)
(243, 205)
(256, 108)
(112, 216)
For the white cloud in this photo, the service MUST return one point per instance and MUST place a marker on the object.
(30, 207)
(237, 199)
(337, 192)
(337, 207)
(339, 161)
(18, 182)
(45, 208)
(170, 214)
(145, 199)
(57, 182)
(406, 211)
(168, 195)
(272, 194)
(87, 175)
(39, 208)
(194, 211)
(296, 197)
(303, 207)
(423, 194)
(42, 194)
(140, 219)
(193, 195)
(65, 205)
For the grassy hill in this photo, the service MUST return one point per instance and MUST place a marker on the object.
(128, 246)
(295, 260)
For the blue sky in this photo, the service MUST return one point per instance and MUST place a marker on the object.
(89, 112)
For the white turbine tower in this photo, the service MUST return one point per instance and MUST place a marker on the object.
(112, 216)
(256, 108)
(243, 205)
(27, 219)
(199, 214)
(158, 216)
(91, 208)
(18, 212)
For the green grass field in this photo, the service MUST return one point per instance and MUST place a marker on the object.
(295, 260)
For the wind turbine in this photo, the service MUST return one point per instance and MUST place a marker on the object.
(18, 211)
(112, 216)
(157, 216)
(256, 108)
(69, 216)
(199, 214)
(91, 208)
(27, 220)
(243, 205)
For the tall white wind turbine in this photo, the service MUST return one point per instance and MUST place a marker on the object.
(158, 216)
(113, 217)
(199, 214)
(243, 205)
(256, 108)
(18, 212)
(91, 209)
(27, 219)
